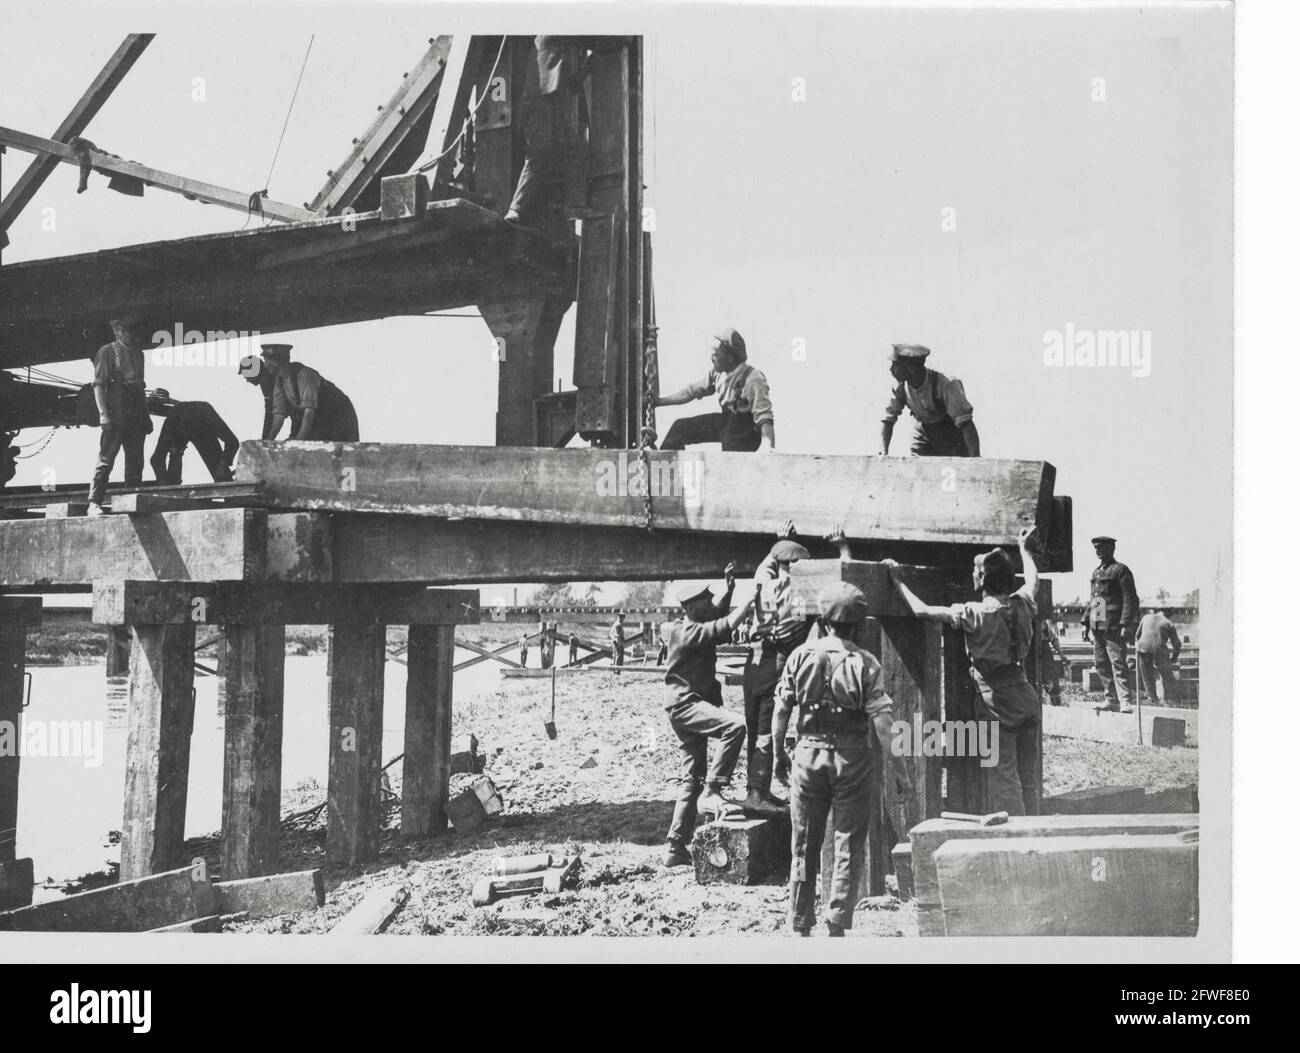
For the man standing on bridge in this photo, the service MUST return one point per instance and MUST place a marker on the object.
(1111, 617)
(696, 714)
(944, 417)
(745, 422)
(318, 411)
(123, 413)
(194, 423)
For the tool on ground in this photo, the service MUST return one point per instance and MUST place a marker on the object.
(488, 890)
(551, 731)
(522, 864)
(992, 819)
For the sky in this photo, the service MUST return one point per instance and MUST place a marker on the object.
(828, 182)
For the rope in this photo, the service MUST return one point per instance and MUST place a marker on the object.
(472, 113)
(275, 157)
(40, 445)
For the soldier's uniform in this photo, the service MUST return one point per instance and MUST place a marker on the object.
(1112, 609)
(837, 757)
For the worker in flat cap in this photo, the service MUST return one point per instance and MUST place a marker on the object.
(191, 423)
(745, 421)
(784, 625)
(844, 732)
(944, 424)
(999, 630)
(1111, 619)
(316, 409)
(696, 714)
(123, 411)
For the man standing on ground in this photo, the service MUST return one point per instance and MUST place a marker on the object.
(195, 423)
(523, 651)
(123, 412)
(1153, 632)
(696, 714)
(573, 648)
(618, 639)
(745, 422)
(844, 734)
(1112, 616)
(945, 425)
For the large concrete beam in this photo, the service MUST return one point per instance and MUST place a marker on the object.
(961, 500)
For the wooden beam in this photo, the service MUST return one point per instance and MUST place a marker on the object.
(90, 103)
(525, 331)
(957, 500)
(254, 736)
(271, 894)
(426, 765)
(160, 719)
(132, 905)
(356, 709)
(939, 586)
(179, 602)
(209, 193)
(17, 614)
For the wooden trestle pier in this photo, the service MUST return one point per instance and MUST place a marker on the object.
(361, 536)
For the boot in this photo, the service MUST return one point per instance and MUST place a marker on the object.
(712, 803)
(676, 856)
(763, 803)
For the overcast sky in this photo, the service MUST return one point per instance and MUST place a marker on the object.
(1085, 156)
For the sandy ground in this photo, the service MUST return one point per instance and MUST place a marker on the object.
(615, 812)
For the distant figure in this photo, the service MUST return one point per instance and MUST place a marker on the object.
(573, 648)
(1154, 631)
(196, 424)
(123, 413)
(523, 650)
(746, 422)
(617, 639)
(944, 417)
(662, 656)
(1049, 653)
(1111, 617)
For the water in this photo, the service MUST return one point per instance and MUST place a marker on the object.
(68, 804)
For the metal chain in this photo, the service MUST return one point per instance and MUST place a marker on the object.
(650, 385)
(40, 445)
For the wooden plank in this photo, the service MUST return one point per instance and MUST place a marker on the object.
(175, 602)
(120, 497)
(254, 736)
(271, 894)
(195, 189)
(426, 766)
(1110, 885)
(927, 838)
(132, 905)
(212, 545)
(372, 913)
(78, 118)
(935, 585)
(356, 708)
(873, 498)
(17, 615)
(160, 719)
(912, 671)
(211, 923)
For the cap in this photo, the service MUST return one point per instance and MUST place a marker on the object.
(842, 602)
(733, 342)
(787, 551)
(1101, 538)
(693, 590)
(162, 393)
(909, 353)
(277, 350)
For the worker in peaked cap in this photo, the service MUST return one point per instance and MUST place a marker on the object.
(1111, 619)
(745, 422)
(843, 735)
(316, 409)
(696, 715)
(944, 417)
(783, 626)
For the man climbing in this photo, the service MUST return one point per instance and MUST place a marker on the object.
(696, 715)
(191, 423)
(745, 420)
(123, 412)
(944, 416)
(1111, 618)
(318, 411)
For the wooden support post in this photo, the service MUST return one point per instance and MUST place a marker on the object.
(525, 332)
(117, 654)
(426, 766)
(250, 805)
(160, 718)
(17, 613)
(912, 666)
(356, 708)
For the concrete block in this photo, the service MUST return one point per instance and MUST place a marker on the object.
(403, 196)
(474, 805)
(1097, 800)
(740, 851)
(1168, 731)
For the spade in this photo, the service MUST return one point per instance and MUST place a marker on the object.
(551, 731)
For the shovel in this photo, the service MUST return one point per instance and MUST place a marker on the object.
(550, 724)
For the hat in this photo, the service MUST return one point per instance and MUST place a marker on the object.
(161, 393)
(693, 590)
(787, 551)
(277, 350)
(733, 342)
(842, 602)
(1100, 538)
(909, 353)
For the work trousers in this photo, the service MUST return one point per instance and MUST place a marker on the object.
(694, 721)
(941, 439)
(1110, 656)
(125, 431)
(736, 431)
(1017, 711)
(338, 425)
(1151, 664)
(168, 461)
(821, 780)
(554, 169)
(762, 674)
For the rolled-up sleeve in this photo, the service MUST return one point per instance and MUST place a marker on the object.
(958, 405)
(786, 694)
(279, 401)
(875, 700)
(702, 388)
(759, 398)
(308, 389)
(894, 407)
(103, 365)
